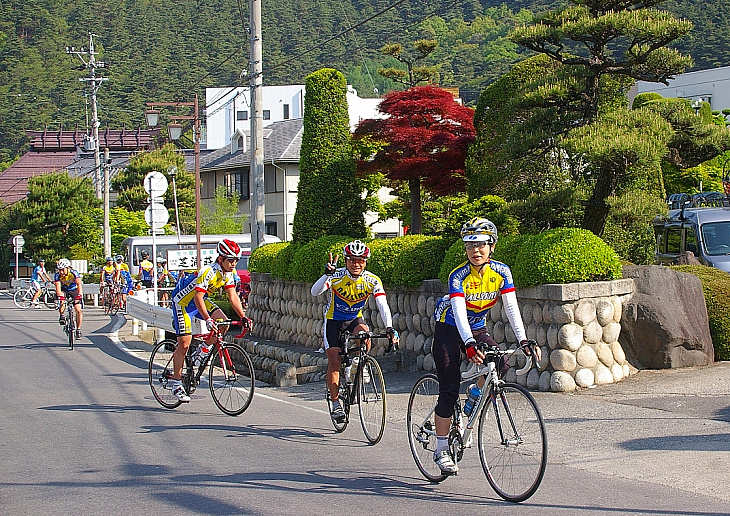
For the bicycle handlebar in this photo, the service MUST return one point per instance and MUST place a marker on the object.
(494, 354)
(362, 336)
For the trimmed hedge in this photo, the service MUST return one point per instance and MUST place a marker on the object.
(716, 287)
(309, 259)
(420, 259)
(262, 258)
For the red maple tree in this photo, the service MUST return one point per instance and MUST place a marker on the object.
(425, 136)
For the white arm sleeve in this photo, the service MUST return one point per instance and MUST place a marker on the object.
(512, 310)
(384, 311)
(321, 285)
(458, 305)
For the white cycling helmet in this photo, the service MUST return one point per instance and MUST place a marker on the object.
(63, 263)
(479, 230)
(356, 249)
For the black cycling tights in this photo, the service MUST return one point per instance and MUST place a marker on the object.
(446, 350)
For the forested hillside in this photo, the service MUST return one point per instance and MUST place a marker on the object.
(163, 51)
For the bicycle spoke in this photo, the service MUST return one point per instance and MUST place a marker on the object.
(372, 399)
(159, 373)
(231, 379)
(422, 426)
(512, 443)
(344, 402)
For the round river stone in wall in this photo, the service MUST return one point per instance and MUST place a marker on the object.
(570, 336)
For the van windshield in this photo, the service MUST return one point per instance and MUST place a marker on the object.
(716, 238)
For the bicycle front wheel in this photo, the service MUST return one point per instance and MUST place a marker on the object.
(116, 300)
(71, 327)
(231, 379)
(344, 398)
(49, 299)
(422, 426)
(371, 399)
(22, 298)
(512, 442)
(159, 372)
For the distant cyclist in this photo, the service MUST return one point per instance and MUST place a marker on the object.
(68, 290)
(146, 270)
(349, 287)
(39, 274)
(109, 273)
(125, 278)
(461, 323)
(190, 300)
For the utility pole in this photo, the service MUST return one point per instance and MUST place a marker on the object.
(107, 228)
(93, 83)
(258, 207)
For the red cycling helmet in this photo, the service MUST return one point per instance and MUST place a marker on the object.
(229, 249)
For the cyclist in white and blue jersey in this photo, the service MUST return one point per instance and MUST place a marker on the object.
(39, 274)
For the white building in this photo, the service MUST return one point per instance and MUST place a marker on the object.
(712, 86)
(228, 136)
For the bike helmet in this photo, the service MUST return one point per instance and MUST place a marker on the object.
(479, 230)
(161, 259)
(63, 263)
(41, 261)
(229, 249)
(356, 249)
(144, 255)
(108, 259)
(119, 258)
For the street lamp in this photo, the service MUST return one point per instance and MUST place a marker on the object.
(175, 131)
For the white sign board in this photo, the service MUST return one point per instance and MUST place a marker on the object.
(185, 259)
(18, 241)
(159, 213)
(155, 184)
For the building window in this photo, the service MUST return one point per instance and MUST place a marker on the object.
(271, 181)
(237, 183)
(241, 115)
(270, 228)
(267, 114)
(286, 111)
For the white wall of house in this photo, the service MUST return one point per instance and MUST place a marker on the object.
(711, 86)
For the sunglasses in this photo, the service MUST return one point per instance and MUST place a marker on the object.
(475, 245)
(232, 260)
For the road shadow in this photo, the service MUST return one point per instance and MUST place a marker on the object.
(709, 442)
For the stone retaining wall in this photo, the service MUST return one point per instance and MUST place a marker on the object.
(576, 324)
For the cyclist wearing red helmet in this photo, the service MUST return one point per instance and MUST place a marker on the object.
(349, 288)
(190, 300)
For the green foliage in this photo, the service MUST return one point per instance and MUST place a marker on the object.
(629, 229)
(485, 206)
(420, 259)
(329, 200)
(310, 258)
(542, 211)
(455, 256)
(644, 98)
(413, 75)
(263, 257)
(564, 255)
(283, 266)
(125, 224)
(222, 218)
(716, 287)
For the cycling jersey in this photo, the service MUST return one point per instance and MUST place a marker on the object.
(108, 272)
(208, 280)
(145, 270)
(68, 280)
(122, 266)
(38, 273)
(480, 292)
(127, 281)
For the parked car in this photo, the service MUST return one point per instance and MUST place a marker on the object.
(704, 231)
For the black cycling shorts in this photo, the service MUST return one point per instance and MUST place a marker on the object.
(333, 331)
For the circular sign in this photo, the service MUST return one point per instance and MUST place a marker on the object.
(18, 241)
(155, 184)
(158, 213)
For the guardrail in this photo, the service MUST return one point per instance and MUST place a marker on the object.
(143, 308)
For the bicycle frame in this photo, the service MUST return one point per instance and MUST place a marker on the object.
(218, 345)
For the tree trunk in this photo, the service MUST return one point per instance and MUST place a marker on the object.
(596, 212)
(416, 227)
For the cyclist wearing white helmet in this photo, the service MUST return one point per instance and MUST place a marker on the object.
(190, 300)
(68, 285)
(343, 312)
(461, 322)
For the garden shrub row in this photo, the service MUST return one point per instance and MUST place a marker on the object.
(562, 255)
(716, 287)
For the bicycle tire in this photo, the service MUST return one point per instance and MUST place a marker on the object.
(70, 326)
(105, 301)
(232, 387)
(512, 442)
(49, 299)
(22, 298)
(344, 402)
(372, 399)
(422, 426)
(159, 373)
(115, 302)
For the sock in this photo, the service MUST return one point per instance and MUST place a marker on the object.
(442, 443)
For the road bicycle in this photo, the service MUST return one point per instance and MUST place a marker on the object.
(231, 375)
(364, 387)
(111, 297)
(511, 435)
(69, 327)
(23, 297)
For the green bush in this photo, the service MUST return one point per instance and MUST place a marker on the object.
(455, 256)
(629, 227)
(716, 287)
(383, 253)
(643, 98)
(508, 248)
(309, 259)
(565, 255)
(419, 259)
(263, 257)
(543, 211)
(283, 262)
(485, 206)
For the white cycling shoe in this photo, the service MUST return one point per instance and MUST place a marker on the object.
(445, 463)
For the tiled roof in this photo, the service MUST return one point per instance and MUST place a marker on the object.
(114, 139)
(14, 180)
(282, 141)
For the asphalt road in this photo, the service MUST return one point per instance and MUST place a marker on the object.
(82, 434)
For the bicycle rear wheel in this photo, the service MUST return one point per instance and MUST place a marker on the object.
(159, 372)
(344, 402)
(371, 399)
(22, 298)
(106, 300)
(422, 426)
(71, 326)
(231, 379)
(512, 442)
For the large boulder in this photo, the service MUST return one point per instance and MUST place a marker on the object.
(664, 324)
